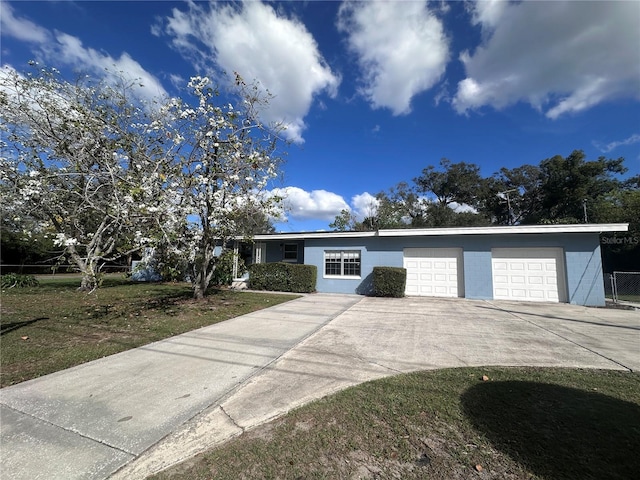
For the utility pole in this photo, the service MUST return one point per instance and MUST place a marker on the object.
(584, 209)
(505, 195)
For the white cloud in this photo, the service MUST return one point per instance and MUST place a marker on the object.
(364, 205)
(443, 94)
(61, 49)
(70, 51)
(20, 28)
(177, 81)
(561, 57)
(462, 208)
(488, 12)
(317, 204)
(401, 50)
(299, 204)
(609, 147)
(253, 40)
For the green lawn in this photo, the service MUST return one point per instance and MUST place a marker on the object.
(52, 327)
(521, 423)
(629, 298)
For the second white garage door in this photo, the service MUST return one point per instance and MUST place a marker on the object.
(434, 272)
(529, 274)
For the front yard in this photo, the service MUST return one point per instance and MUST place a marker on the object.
(52, 327)
(458, 424)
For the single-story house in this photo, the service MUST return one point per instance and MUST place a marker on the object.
(548, 263)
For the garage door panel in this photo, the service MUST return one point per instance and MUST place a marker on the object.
(533, 274)
(434, 271)
(518, 293)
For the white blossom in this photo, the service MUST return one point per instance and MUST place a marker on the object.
(62, 240)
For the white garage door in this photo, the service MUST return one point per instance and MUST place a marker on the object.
(530, 274)
(434, 272)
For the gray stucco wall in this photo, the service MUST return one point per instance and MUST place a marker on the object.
(275, 250)
(583, 266)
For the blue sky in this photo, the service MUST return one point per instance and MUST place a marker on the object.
(373, 92)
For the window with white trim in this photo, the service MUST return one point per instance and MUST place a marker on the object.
(342, 263)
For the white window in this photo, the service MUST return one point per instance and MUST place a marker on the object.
(342, 263)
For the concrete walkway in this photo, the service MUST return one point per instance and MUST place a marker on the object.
(88, 421)
(139, 412)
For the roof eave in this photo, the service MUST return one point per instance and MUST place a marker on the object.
(447, 231)
(515, 229)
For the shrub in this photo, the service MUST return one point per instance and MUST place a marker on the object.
(223, 274)
(268, 276)
(162, 263)
(283, 277)
(389, 281)
(302, 278)
(11, 280)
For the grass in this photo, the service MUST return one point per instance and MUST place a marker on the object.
(52, 327)
(629, 298)
(521, 423)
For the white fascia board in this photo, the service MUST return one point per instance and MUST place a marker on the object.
(445, 231)
(516, 229)
(308, 235)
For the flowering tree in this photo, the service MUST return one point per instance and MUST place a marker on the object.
(226, 157)
(80, 160)
(107, 176)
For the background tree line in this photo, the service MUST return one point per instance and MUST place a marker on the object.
(559, 190)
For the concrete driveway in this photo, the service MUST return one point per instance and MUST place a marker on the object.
(147, 409)
(379, 337)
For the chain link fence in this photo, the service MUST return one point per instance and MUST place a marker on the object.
(52, 270)
(623, 286)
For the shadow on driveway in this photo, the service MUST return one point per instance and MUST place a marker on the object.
(558, 432)
(520, 313)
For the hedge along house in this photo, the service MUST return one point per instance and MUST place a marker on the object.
(547, 263)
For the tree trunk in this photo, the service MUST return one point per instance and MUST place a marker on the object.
(204, 274)
(89, 280)
(200, 283)
(199, 287)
